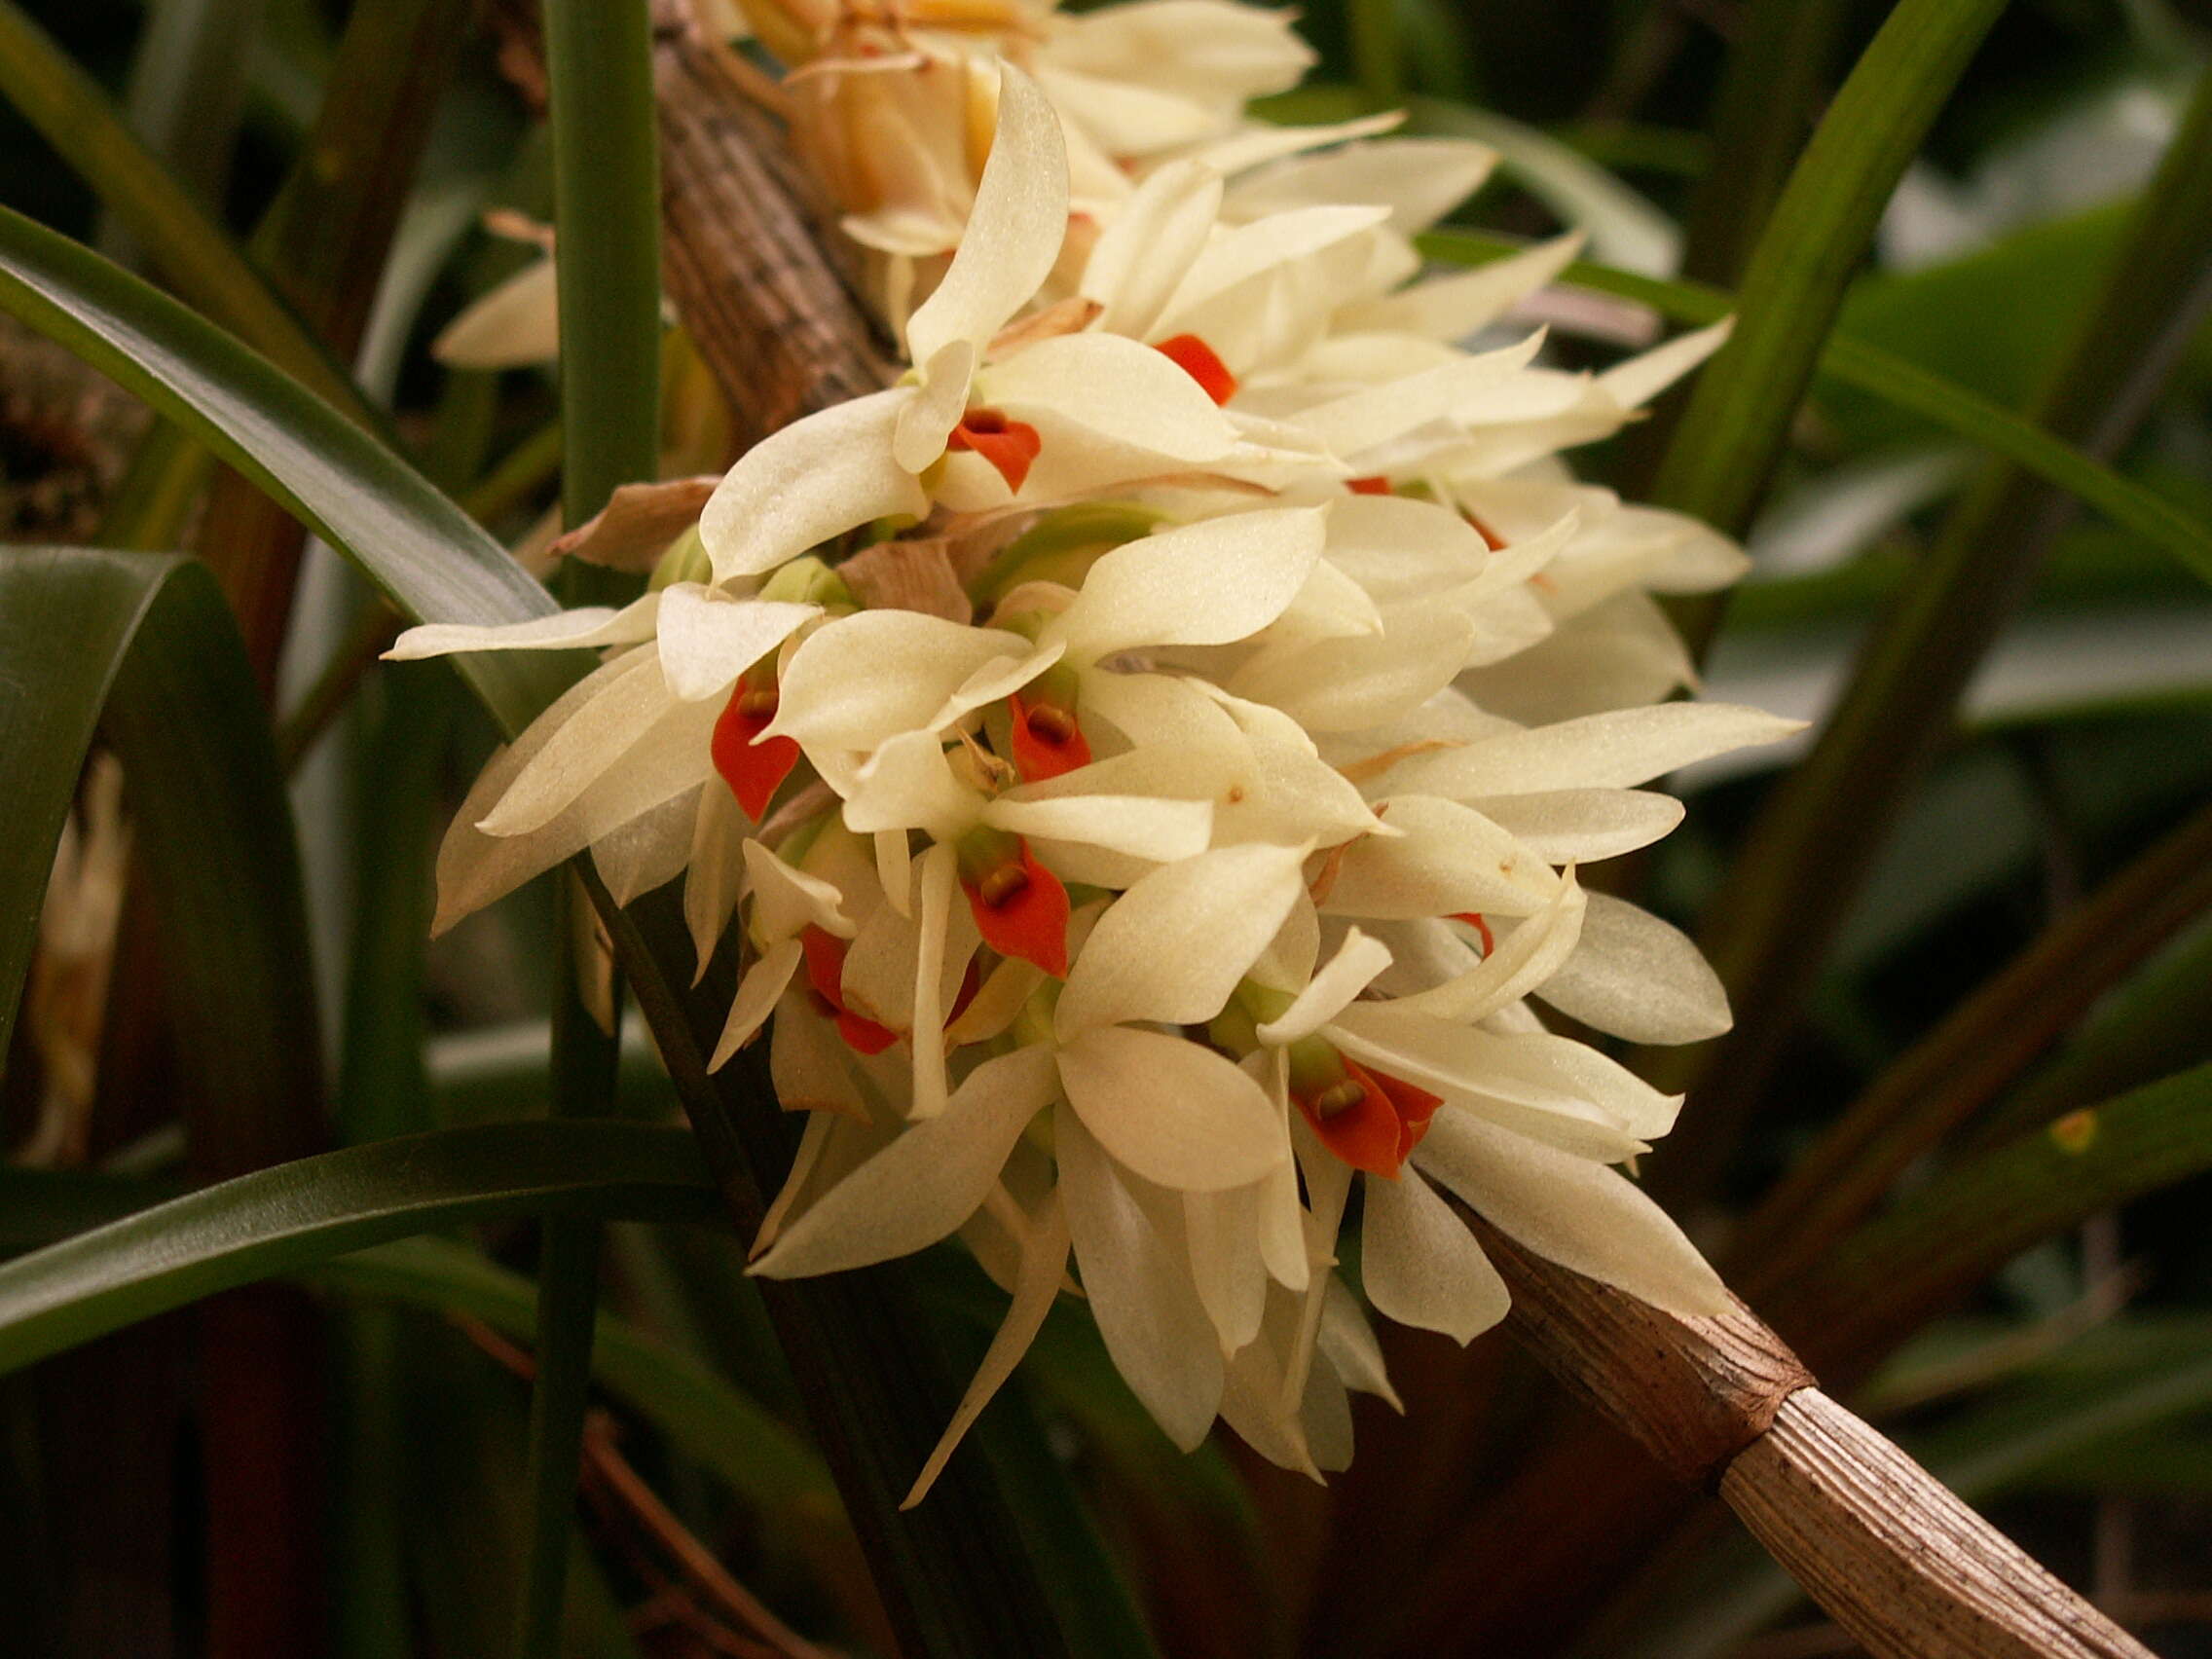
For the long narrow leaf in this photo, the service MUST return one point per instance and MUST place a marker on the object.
(146, 642)
(278, 1221)
(1895, 1271)
(424, 552)
(1800, 867)
(606, 225)
(1739, 417)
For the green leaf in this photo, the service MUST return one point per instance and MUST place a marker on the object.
(277, 1221)
(606, 225)
(73, 115)
(1850, 1309)
(1769, 92)
(607, 218)
(146, 644)
(428, 556)
(1971, 1056)
(1737, 418)
(1377, 55)
(1854, 362)
(1772, 925)
(721, 1426)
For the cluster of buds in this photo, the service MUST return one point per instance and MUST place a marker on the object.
(1145, 756)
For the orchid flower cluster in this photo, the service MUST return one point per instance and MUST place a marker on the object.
(1145, 755)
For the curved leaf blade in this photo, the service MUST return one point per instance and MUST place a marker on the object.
(1886, 1279)
(280, 1220)
(146, 645)
(1739, 416)
(427, 555)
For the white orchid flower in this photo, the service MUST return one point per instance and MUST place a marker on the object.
(1081, 413)
(630, 738)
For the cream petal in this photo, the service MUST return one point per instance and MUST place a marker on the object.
(1422, 1266)
(1399, 549)
(1457, 307)
(1419, 179)
(1582, 1215)
(1524, 959)
(1106, 410)
(1174, 946)
(1641, 379)
(1347, 684)
(812, 480)
(1362, 420)
(513, 325)
(786, 901)
(1260, 143)
(1582, 826)
(1141, 256)
(1127, 117)
(1294, 795)
(1355, 964)
(1445, 859)
(908, 785)
(1348, 1341)
(1207, 583)
(1534, 1069)
(997, 679)
(1617, 750)
(998, 1002)
(651, 850)
(707, 639)
(574, 742)
(1143, 827)
(830, 1148)
(757, 994)
(883, 965)
(809, 1063)
(1015, 231)
(858, 680)
(926, 422)
(1232, 262)
(894, 869)
(585, 627)
(929, 1180)
(1139, 1289)
(939, 867)
(1174, 1112)
(1035, 1288)
(1205, 49)
(715, 872)
(1220, 1230)
(1635, 976)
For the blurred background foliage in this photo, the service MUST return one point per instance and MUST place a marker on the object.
(2018, 1285)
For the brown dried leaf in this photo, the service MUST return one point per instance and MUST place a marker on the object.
(908, 575)
(634, 528)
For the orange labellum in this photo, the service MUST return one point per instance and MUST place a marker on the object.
(752, 769)
(1007, 445)
(1196, 358)
(1047, 741)
(1021, 909)
(826, 974)
(1370, 1120)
